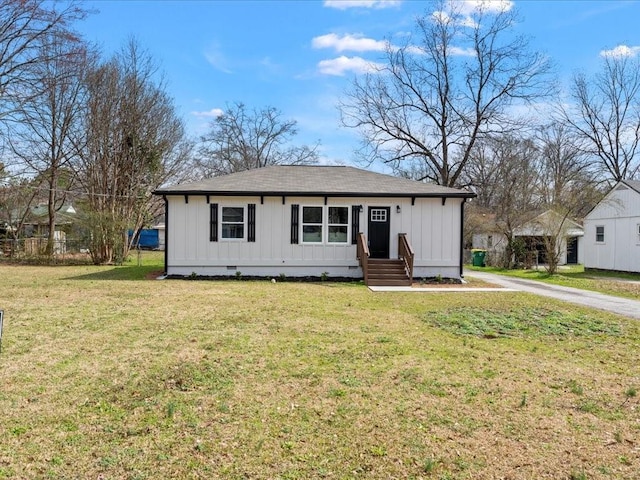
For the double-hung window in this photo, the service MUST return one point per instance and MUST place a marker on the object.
(322, 224)
(232, 224)
(338, 225)
(312, 223)
(600, 234)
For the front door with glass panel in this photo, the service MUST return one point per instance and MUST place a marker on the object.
(379, 232)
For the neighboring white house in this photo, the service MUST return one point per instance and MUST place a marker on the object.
(533, 233)
(551, 223)
(161, 234)
(302, 221)
(612, 230)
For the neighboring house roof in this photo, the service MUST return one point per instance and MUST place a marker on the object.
(299, 180)
(549, 222)
(634, 184)
(43, 209)
(621, 185)
(64, 215)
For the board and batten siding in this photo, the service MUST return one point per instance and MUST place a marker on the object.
(432, 228)
(619, 214)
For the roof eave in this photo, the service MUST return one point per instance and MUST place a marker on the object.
(461, 194)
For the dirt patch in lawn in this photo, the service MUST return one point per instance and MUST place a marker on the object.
(154, 275)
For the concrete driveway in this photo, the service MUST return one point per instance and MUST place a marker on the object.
(622, 306)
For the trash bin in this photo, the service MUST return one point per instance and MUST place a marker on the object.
(478, 257)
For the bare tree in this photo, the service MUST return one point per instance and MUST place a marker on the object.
(242, 139)
(134, 142)
(505, 171)
(25, 26)
(568, 187)
(607, 115)
(426, 108)
(47, 121)
(569, 179)
(17, 194)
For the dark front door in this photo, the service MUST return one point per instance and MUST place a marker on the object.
(572, 250)
(379, 230)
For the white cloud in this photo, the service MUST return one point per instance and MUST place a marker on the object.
(216, 58)
(354, 43)
(443, 17)
(344, 4)
(467, 7)
(341, 65)
(462, 52)
(463, 11)
(213, 113)
(621, 51)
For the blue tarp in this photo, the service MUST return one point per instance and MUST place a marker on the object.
(147, 238)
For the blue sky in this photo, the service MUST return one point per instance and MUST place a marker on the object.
(299, 56)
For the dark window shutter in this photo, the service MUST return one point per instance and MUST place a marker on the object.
(294, 223)
(251, 220)
(213, 222)
(355, 223)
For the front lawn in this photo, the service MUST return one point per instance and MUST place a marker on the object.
(107, 375)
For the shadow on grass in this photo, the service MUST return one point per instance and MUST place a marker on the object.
(122, 273)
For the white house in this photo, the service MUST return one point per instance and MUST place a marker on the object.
(533, 233)
(313, 221)
(612, 230)
(551, 223)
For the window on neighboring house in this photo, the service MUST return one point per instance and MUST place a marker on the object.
(312, 224)
(338, 226)
(638, 232)
(600, 234)
(232, 223)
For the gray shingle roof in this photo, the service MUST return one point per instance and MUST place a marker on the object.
(635, 184)
(313, 180)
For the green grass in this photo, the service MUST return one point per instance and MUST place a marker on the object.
(521, 322)
(106, 375)
(612, 283)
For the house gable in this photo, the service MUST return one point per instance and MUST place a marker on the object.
(612, 230)
(622, 201)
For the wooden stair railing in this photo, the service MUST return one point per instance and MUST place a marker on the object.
(363, 256)
(406, 254)
(386, 271)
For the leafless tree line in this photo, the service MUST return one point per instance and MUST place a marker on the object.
(104, 131)
(446, 106)
(463, 77)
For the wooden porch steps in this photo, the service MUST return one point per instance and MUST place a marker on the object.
(387, 273)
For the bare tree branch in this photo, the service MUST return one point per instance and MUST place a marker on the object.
(240, 139)
(606, 114)
(425, 109)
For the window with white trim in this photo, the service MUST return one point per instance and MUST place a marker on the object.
(232, 223)
(312, 223)
(600, 234)
(638, 233)
(325, 224)
(338, 225)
